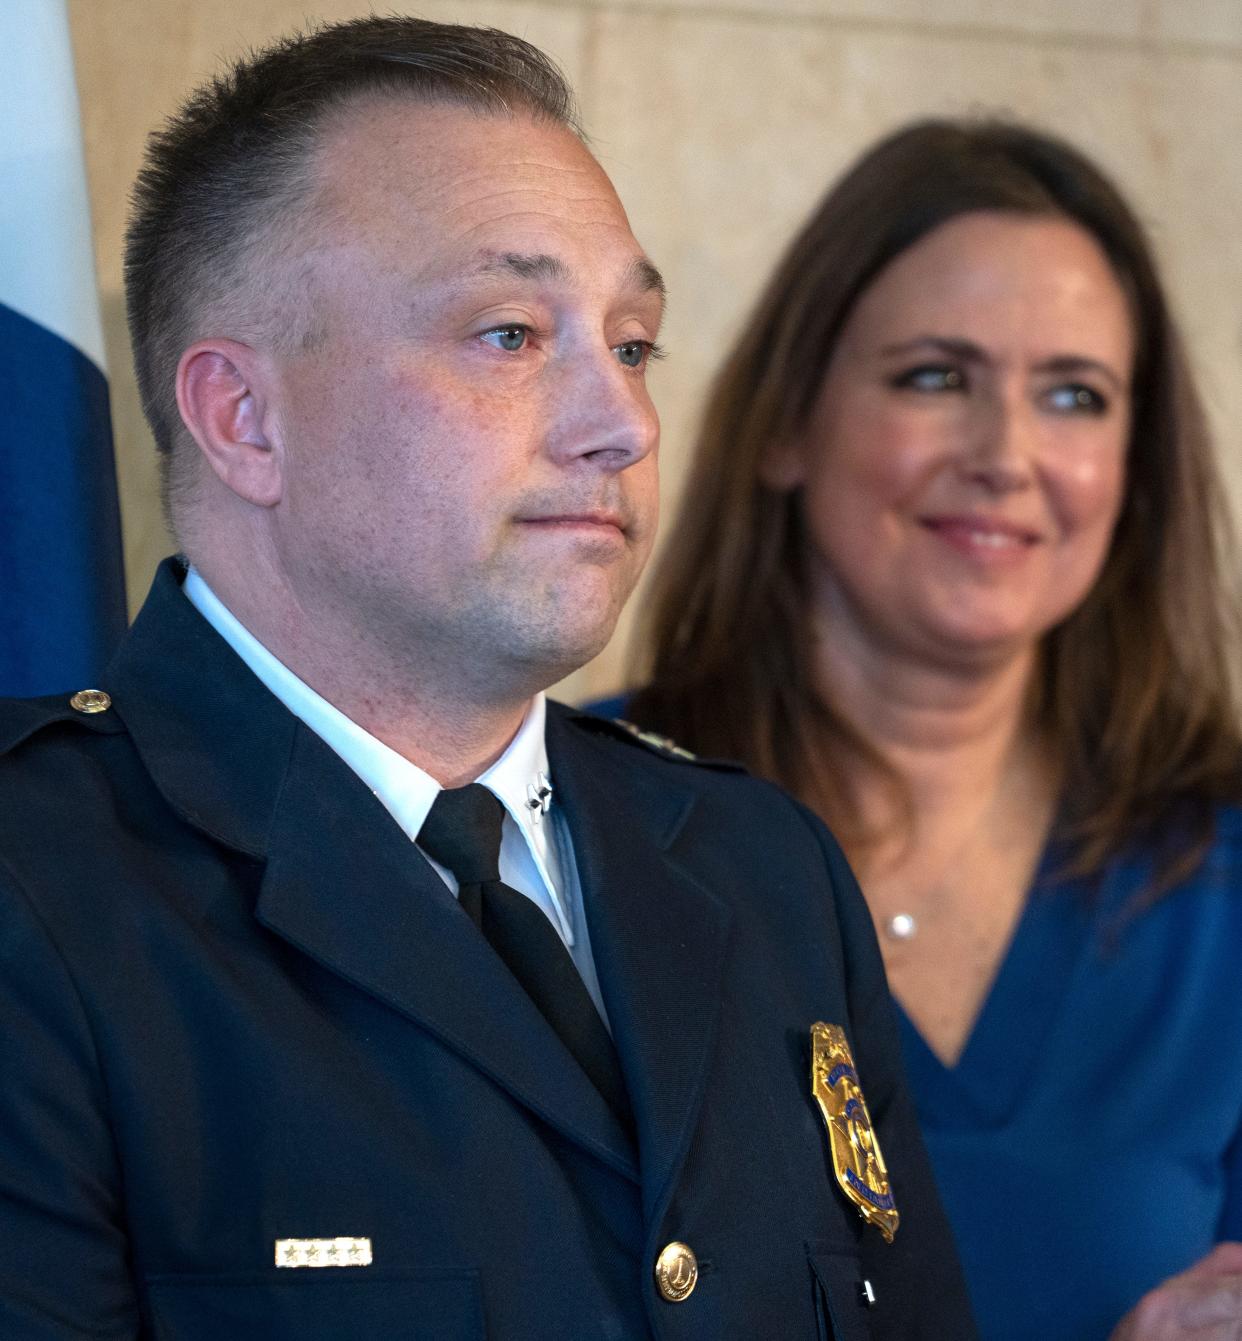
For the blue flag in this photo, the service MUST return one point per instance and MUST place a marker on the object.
(62, 589)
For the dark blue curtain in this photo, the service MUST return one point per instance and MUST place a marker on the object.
(62, 582)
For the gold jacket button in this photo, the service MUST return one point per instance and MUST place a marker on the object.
(90, 700)
(676, 1272)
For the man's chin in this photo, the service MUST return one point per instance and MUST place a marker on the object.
(541, 633)
(555, 661)
(562, 647)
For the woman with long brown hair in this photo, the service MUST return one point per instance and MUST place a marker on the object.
(950, 568)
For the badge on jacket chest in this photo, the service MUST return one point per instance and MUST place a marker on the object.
(856, 1158)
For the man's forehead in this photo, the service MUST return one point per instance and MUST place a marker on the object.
(397, 163)
(455, 197)
(389, 140)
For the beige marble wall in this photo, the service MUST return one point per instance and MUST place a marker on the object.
(722, 122)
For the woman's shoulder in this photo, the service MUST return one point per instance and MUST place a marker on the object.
(1130, 884)
(1224, 853)
(613, 707)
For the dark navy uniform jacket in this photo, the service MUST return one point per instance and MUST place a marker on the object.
(238, 1006)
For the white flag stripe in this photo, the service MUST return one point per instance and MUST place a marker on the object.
(47, 271)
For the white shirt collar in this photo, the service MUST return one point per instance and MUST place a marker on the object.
(404, 789)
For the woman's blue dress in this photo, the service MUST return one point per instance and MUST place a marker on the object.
(1088, 1143)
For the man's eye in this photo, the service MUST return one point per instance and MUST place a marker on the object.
(508, 338)
(1076, 399)
(931, 377)
(635, 353)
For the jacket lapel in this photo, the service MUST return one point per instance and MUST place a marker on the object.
(346, 886)
(658, 937)
(341, 881)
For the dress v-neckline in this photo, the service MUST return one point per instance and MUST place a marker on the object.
(1006, 1042)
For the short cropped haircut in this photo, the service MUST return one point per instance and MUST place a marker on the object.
(1136, 690)
(233, 166)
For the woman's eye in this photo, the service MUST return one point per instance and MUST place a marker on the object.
(508, 338)
(1076, 399)
(931, 377)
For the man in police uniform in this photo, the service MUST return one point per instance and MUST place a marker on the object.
(285, 1055)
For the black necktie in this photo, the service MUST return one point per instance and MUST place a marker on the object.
(462, 832)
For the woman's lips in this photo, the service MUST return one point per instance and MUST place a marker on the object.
(983, 537)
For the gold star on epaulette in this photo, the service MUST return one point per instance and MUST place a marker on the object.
(657, 742)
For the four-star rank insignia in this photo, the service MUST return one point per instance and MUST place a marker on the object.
(856, 1157)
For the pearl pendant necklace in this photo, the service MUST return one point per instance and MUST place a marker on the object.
(901, 927)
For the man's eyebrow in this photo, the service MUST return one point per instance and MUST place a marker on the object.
(646, 277)
(527, 265)
(540, 265)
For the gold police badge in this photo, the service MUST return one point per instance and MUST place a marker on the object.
(856, 1158)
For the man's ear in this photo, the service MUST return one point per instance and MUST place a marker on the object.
(223, 393)
(782, 467)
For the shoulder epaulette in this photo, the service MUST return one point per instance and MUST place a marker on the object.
(661, 744)
(664, 746)
(20, 718)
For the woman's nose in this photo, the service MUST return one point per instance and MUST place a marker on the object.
(999, 455)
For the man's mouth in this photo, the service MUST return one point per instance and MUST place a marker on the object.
(590, 521)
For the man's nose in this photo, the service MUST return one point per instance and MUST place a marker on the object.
(603, 412)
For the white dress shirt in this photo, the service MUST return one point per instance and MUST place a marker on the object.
(536, 852)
